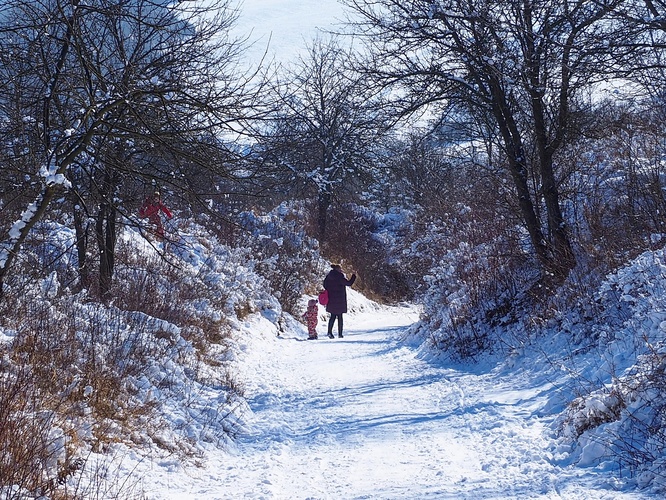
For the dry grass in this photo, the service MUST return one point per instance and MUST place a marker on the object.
(69, 381)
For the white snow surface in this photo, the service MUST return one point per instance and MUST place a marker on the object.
(368, 416)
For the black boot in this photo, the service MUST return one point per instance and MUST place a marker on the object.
(330, 335)
(339, 335)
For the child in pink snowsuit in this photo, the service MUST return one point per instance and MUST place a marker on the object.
(310, 316)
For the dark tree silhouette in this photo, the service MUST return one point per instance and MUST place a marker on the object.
(518, 68)
(97, 97)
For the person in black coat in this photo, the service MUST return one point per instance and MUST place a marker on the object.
(336, 283)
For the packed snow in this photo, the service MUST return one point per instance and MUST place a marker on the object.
(373, 415)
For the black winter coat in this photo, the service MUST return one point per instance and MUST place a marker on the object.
(336, 284)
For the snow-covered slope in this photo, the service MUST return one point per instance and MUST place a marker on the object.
(367, 416)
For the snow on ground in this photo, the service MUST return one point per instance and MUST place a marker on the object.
(366, 417)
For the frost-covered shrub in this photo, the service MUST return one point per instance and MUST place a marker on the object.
(624, 423)
(72, 395)
(33, 454)
(476, 275)
(620, 415)
(371, 243)
(197, 279)
(471, 299)
(283, 253)
(613, 196)
(147, 369)
(640, 443)
(109, 374)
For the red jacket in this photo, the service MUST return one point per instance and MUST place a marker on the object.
(152, 207)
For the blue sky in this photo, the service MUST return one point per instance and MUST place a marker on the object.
(286, 24)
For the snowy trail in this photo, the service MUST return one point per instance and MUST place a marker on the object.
(364, 417)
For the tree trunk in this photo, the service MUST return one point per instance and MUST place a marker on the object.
(105, 229)
(517, 167)
(532, 224)
(82, 247)
(563, 259)
(106, 242)
(323, 203)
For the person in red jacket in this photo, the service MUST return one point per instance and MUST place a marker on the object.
(151, 209)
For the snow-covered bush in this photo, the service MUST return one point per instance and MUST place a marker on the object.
(476, 278)
(613, 185)
(31, 444)
(471, 300)
(149, 370)
(284, 255)
(620, 415)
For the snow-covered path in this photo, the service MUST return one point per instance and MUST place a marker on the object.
(364, 417)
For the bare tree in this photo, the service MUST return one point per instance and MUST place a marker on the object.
(97, 97)
(646, 20)
(518, 67)
(324, 131)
